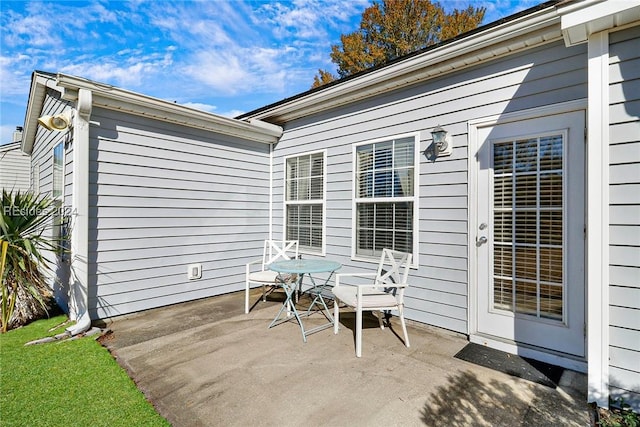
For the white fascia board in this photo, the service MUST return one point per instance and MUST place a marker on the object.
(537, 28)
(580, 20)
(37, 92)
(113, 98)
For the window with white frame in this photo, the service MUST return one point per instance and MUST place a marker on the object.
(58, 171)
(385, 208)
(304, 200)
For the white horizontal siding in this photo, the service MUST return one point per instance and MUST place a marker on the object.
(624, 228)
(42, 161)
(624, 338)
(14, 168)
(439, 287)
(163, 197)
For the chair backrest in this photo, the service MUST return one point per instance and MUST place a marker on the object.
(393, 268)
(275, 250)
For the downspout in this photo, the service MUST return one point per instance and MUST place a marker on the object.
(271, 191)
(80, 204)
(277, 131)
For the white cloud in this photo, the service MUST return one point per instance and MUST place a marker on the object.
(14, 80)
(32, 30)
(108, 72)
(209, 53)
(200, 106)
(307, 19)
(232, 113)
(224, 72)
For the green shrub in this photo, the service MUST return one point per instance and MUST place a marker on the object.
(25, 292)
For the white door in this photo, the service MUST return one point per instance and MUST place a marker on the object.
(530, 236)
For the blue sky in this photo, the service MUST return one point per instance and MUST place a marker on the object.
(221, 56)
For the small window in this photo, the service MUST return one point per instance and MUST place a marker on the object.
(58, 171)
(385, 208)
(304, 201)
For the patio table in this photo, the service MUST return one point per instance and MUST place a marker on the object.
(303, 267)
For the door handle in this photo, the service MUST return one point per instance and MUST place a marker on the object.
(481, 241)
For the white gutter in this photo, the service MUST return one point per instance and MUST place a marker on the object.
(113, 98)
(80, 205)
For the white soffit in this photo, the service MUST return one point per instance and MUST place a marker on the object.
(580, 20)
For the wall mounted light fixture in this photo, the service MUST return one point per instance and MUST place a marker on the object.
(441, 145)
(59, 122)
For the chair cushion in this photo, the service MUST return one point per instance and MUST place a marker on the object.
(267, 276)
(371, 298)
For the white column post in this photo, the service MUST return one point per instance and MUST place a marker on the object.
(597, 262)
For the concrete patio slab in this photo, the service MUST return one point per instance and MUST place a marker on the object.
(206, 363)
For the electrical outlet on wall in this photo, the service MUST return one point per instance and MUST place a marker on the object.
(194, 271)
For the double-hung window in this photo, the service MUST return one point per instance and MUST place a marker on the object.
(385, 208)
(305, 201)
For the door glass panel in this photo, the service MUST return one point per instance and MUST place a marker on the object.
(503, 294)
(528, 226)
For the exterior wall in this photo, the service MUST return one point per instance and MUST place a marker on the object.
(162, 197)
(14, 168)
(624, 230)
(438, 293)
(42, 161)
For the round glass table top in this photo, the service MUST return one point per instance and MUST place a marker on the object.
(304, 266)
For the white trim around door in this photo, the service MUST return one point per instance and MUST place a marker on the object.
(553, 333)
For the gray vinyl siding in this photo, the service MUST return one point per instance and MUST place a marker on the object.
(14, 168)
(42, 156)
(439, 286)
(624, 230)
(162, 197)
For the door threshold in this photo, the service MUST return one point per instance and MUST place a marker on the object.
(544, 355)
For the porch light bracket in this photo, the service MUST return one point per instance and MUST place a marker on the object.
(441, 145)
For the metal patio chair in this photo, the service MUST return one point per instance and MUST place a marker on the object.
(385, 293)
(274, 250)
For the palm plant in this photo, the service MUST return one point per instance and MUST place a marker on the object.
(25, 292)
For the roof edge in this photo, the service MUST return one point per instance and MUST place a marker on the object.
(115, 98)
(112, 97)
(40, 81)
(528, 20)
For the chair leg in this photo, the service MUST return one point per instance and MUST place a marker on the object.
(246, 298)
(358, 333)
(404, 328)
(379, 314)
(336, 314)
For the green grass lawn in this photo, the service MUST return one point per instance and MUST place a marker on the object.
(66, 383)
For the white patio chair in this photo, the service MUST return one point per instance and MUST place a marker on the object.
(274, 250)
(385, 293)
